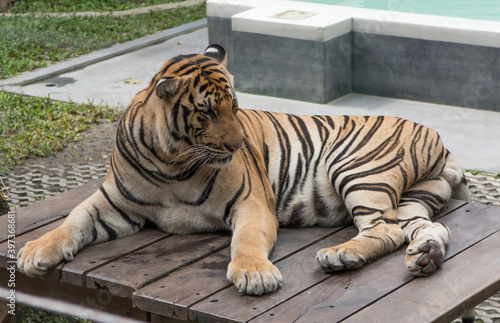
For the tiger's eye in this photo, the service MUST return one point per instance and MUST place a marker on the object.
(210, 114)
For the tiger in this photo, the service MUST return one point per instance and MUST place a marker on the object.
(188, 159)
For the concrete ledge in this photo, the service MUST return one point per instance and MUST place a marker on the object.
(384, 22)
(427, 27)
(294, 22)
(104, 54)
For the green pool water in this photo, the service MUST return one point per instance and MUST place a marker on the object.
(472, 9)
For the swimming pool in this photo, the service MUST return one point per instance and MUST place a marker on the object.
(317, 53)
(478, 9)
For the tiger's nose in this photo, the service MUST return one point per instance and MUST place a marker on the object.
(232, 146)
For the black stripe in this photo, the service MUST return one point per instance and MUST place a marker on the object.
(413, 150)
(408, 221)
(296, 216)
(361, 210)
(369, 134)
(320, 207)
(307, 144)
(262, 175)
(206, 66)
(206, 192)
(404, 176)
(203, 60)
(123, 214)
(394, 139)
(377, 170)
(125, 192)
(340, 143)
(324, 133)
(231, 203)
(185, 115)
(94, 229)
(122, 139)
(172, 62)
(375, 187)
(150, 147)
(184, 66)
(174, 113)
(284, 158)
(196, 80)
(132, 157)
(203, 87)
(189, 71)
(112, 235)
(432, 201)
(137, 147)
(296, 181)
(247, 168)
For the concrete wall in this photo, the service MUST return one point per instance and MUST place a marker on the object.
(390, 66)
(424, 70)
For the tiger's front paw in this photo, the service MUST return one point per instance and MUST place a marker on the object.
(423, 257)
(336, 259)
(254, 278)
(38, 256)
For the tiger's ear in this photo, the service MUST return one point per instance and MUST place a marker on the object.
(171, 88)
(218, 53)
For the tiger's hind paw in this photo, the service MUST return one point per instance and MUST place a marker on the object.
(424, 257)
(335, 259)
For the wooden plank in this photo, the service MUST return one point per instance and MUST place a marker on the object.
(451, 206)
(127, 274)
(174, 294)
(448, 293)
(163, 299)
(162, 319)
(90, 257)
(49, 210)
(300, 272)
(227, 305)
(95, 256)
(344, 293)
(471, 224)
(99, 299)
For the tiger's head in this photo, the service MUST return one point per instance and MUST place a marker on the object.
(199, 104)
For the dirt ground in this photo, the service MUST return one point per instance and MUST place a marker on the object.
(95, 146)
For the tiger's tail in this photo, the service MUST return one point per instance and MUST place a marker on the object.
(455, 175)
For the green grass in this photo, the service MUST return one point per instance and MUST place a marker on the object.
(88, 5)
(474, 171)
(29, 43)
(28, 314)
(33, 126)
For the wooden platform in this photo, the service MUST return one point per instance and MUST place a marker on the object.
(153, 276)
